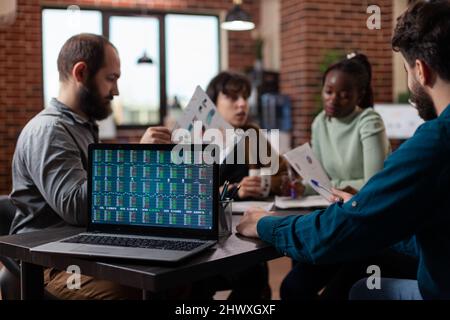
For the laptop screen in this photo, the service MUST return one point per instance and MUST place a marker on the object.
(143, 187)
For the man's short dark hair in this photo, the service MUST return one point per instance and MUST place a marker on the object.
(423, 32)
(86, 47)
(229, 83)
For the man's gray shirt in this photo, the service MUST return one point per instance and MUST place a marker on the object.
(49, 170)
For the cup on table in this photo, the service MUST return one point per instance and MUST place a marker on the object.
(225, 217)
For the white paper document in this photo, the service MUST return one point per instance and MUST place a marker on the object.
(303, 160)
(242, 206)
(201, 108)
(302, 203)
(200, 115)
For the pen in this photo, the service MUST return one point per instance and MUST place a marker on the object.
(224, 190)
(292, 190)
(234, 192)
(318, 185)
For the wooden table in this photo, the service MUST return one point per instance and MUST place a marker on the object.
(232, 253)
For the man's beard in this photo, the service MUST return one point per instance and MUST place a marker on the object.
(92, 104)
(423, 102)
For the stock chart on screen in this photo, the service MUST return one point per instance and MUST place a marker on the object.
(144, 187)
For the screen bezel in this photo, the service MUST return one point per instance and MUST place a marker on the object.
(153, 230)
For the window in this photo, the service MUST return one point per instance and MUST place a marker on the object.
(139, 99)
(192, 54)
(57, 27)
(187, 54)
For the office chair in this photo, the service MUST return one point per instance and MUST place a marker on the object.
(10, 272)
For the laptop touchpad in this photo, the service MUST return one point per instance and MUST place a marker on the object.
(110, 251)
(91, 249)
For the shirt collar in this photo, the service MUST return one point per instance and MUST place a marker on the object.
(61, 107)
(446, 112)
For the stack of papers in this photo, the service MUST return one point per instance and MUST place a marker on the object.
(242, 206)
(303, 203)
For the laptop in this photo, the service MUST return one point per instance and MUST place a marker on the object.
(144, 205)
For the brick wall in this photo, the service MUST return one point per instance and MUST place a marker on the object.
(310, 30)
(21, 62)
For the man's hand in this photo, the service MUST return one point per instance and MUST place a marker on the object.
(250, 188)
(340, 195)
(157, 135)
(249, 221)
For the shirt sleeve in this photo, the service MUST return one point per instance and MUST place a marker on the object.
(408, 247)
(54, 163)
(315, 143)
(375, 144)
(375, 147)
(390, 208)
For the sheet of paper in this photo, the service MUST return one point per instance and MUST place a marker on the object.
(242, 206)
(302, 203)
(303, 160)
(201, 109)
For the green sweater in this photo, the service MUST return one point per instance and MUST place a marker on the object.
(351, 149)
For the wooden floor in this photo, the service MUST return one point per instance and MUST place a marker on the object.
(278, 269)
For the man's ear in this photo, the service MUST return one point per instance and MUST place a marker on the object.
(424, 74)
(80, 72)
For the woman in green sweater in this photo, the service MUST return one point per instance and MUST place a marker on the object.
(348, 136)
(349, 139)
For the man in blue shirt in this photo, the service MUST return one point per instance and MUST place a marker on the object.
(406, 205)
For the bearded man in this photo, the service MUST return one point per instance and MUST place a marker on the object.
(49, 167)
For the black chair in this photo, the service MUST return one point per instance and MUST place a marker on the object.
(10, 272)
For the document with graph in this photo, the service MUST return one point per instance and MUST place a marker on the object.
(201, 115)
(305, 163)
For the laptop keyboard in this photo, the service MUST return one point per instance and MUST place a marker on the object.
(135, 242)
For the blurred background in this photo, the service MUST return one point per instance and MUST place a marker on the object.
(167, 47)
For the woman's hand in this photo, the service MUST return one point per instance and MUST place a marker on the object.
(250, 188)
(296, 187)
(340, 196)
